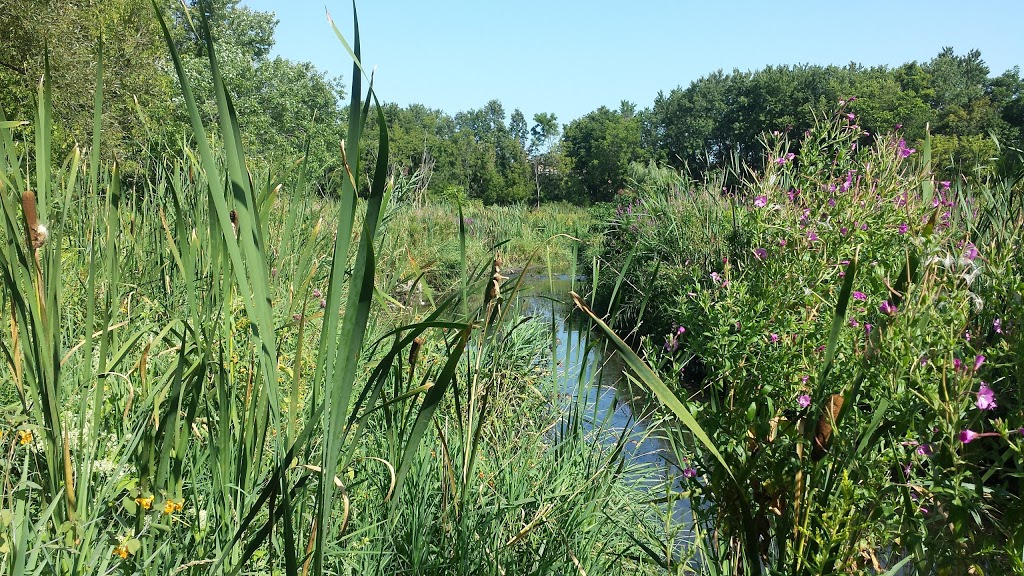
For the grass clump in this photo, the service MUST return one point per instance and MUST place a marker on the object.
(205, 374)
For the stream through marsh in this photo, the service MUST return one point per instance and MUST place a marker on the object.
(591, 377)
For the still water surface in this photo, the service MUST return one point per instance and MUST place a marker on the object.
(591, 376)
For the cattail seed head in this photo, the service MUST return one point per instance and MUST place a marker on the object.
(823, 432)
(37, 233)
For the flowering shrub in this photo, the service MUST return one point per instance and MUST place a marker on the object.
(857, 365)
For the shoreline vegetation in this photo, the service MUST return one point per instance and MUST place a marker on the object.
(217, 359)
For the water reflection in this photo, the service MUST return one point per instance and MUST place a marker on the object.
(592, 379)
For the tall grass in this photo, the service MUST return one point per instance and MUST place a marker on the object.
(205, 374)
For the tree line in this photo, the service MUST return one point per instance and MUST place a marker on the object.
(289, 109)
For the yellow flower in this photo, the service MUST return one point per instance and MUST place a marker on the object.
(146, 503)
(121, 550)
(170, 507)
(25, 436)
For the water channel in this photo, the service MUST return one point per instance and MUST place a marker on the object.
(591, 376)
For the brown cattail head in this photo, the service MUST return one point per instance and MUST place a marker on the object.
(829, 413)
(414, 351)
(37, 234)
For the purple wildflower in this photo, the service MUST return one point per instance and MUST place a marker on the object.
(323, 304)
(924, 450)
(812, 237)
(997, 325)
(967, 436)
(858, 295)
(867, 328)
(887, 308)
(689, 472)
(761, 201)
(978, 361)
(854, 323)
(804, 400)
(774, 337)
(986, 398)
(760, 253)
(903, 150)
(971, 253)
(317, 293)
(902, 228)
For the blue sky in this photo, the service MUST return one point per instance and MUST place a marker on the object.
(572, 56)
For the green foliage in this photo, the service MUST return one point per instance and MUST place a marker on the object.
(839, 351)
(599, 148)
(206, 375)
(69, 33)
(719, 115)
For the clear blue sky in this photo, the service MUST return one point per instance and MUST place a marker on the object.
(572, 56)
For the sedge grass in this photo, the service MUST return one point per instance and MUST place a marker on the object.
(206, 376)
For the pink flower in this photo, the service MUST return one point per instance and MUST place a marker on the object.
(971, 253)
(924, 450)
(760, 253)
(968, 436)
(867, 328)
(903, 150)
(317, 293)
(945, 184)
(774, 337)
(761, 201)
(887, 308)
(902, 228)
(997, 325)
(858, 295)
(854, 323)
(804, 400)
(782, 241)
(323, 304)
(978, 361)
(689, 472)
(986, 398)
(812, 237)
